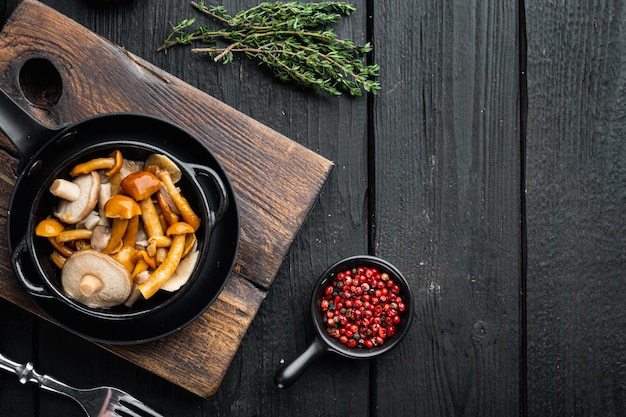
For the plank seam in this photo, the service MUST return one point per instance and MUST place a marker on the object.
(523, 112)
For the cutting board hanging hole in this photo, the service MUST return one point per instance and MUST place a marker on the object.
(40, 82)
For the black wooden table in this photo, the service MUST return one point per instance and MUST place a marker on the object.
(490, 168)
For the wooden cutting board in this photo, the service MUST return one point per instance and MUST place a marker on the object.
(276, 180)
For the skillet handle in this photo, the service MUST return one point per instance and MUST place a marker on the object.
(26, 133)
(16, 258)
(224, 201)
(291, 372)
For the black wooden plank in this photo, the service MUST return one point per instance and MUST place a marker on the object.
(337, 228)
(447, 203)
(16, 329)
(334, 127)
(576, 195)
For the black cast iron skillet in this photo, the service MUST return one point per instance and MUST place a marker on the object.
(322, 343)
(46, 154)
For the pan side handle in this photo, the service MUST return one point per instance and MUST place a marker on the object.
(21, 251)
(221, 189)
(26, 133)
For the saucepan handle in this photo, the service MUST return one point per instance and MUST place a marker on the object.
(26, 133)
(287, 375)
(20, 253)
(221, 188)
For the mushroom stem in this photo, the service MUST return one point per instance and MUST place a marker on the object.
(152, 226)
(58, 259)
(73, 234)
(90, 284)
(65, 189)
(166, 269)
(181, 203)
(112, 164)
(118, 230)
(59, 247)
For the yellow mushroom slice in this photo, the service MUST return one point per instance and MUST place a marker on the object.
(169, 174)
(178, 231)
(95, 279)
(112, 165)
(142, 255)
(58, 259)
(190, 243)
(59, 247)
(159, 242)
(126, 253)
(49, 228)
(73, 234)
(121, 209)
(143, 262)
(166, 204)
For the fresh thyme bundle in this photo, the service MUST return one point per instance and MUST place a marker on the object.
(291, 38)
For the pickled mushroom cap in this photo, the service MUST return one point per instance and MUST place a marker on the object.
(95, 279)
(165, 164)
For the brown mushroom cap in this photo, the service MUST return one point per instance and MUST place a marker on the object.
(140, 185)
(72, 212)
(95, 279)
(165, 164)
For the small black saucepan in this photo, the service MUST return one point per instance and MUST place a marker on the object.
(323, 342)
(47, 154)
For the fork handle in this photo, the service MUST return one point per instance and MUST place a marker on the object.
(26, 373)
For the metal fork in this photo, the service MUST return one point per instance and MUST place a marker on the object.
(97, 402)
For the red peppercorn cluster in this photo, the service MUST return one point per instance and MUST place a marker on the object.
(362, 307)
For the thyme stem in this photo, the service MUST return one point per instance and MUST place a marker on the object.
(291, 38)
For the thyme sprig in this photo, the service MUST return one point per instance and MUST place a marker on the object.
(292, 38)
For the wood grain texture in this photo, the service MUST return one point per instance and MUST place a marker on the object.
(337, 228)
(446, 203)
(427, 176)
(276, 180)
(576, 211)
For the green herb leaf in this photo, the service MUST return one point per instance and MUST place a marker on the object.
(291, 38)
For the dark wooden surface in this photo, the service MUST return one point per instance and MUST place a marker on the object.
(490, 168)
(252, 155)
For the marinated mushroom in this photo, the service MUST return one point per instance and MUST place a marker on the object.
(170, 174)
(117, 224)
(178, 231)
(65, 189)
(140, 185)
(72, 212)
(167, 205)
(152, 226)
(95, 279)
(100, 237)
(49, 228)
(182, 273)
(121, 209)
(112, 164)
(164, 164)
